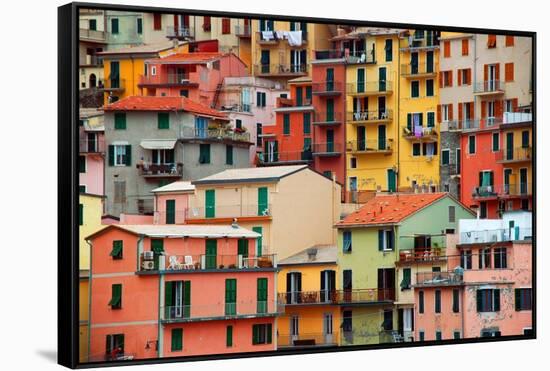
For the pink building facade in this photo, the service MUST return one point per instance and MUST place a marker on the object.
(91, 152)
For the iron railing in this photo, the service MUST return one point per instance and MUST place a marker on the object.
(327, 148)
(113, 83)
(421, 255)
(410, 69)
(366, 116)
(496, 235)
(514, 154)
(420, 132)
(438, 278)
(327, 118)
(188, 132)
(228, 211)
(243, 30)
(161, 170)
(306, 339)
(166, 79)
(284, 157)
(194, 262)
(502, 190)
(281, 69)
(328, 87)
(219, 309)
(489, 86)
(369, 146)
(180, 32)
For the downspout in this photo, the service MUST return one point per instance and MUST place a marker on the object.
(398, 177)
(89, 302)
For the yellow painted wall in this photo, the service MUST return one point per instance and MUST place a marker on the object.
(518, 152)
(93, 210)
(311, 280)
(83, 343)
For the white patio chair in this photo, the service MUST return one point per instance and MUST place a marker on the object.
(173, 262)
(188, 262)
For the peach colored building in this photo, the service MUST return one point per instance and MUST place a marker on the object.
(487, 289)
(148, 285)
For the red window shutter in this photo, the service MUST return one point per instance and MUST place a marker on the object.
(509, 40)
(226, 26)
(176, 22)
(509, 72)
(491, 41)
(465, 46)
(485, 72)
(446, 49)
(441, 79)
(469, 76)
(186, 21)
(206, 23)
(450, 78)
(459, 76)
(483, 109)
(498, 109)
(471, 105)
(460, 112)
(450, 112)
(497, 71)
(157, 21)
(439, 113)
(515, 104)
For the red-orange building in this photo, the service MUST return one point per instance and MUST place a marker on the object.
(148, 285)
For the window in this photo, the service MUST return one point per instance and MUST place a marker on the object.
(353, 163)
(262, 334)
(260, 99)
(116, 296)
(81, 189)
(438, 335)
(489, 333)
(465, 47)
(92, 24)
(509, 41)
(389, 50)
(525, 139)
(238, 124)
(509, 72)
(429, 88)
(157, 21)
(485, 258)
(115, 341)
(416, 149)
(204, 154)
(446, 49)
(456, 301)
(177, 339)
(491, 41)
(80, 214)
(387, 324)
(466, 259)
(488, 300)
(523, 299)
(472, 144)
(81, 164)
(163, 120)
(385, 240)
(446, 79)
(120, 121)
(406, 283)
(116, 252)
(431, 119)
(230, 296)
(421, 302)
(184, 93)
(207, 24)
(464, 76)
(286, 124)
(452, 214)
(153, 70)
(119, 155)
(437, 301)
(114, 26)
(229, 155)
(420, 335)
(415, 89)
(229, 336)
(347, 242)
(456, 334)
(447, 112)
(139, 26)
(307, 123)
(499, 257)
(528, 331)
(261, 295)
(496, 142)
(226, 26)
(445, 156)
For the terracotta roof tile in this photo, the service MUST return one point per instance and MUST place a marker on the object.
(199, 57)
(151, 103)
(389, 209)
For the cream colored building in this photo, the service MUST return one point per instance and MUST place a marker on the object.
(92, 40)
(292, 207)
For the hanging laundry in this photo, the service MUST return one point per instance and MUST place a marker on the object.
(294, 38)
(268, 35)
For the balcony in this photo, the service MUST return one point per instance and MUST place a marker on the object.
(365, 296)
(429, 254)
(517, 118)
(220, 311)
(329, 54)
(328, 118)
(439, 279)
(379, 146)
(481, 124)
(425, 134)
(281, 70)
(154, 171)
(86, 34)
(235, 106)
(113, 84)
(170, 79)
(326, 297)
(514, 155)
(243, 31)
(197, 263)
(91, 61)
(329, 149)
(495, 235)
(308, 297)
(228, 211)
(92, 145)
(360, 56)
(373, 117)
(187, 133)
(180, 33)
(267, 38)
(416, 42)
(284, 158)
(418, 70)
(328, 88)
(307, 340)
(502, 191)
(489, 87)
(371, 88)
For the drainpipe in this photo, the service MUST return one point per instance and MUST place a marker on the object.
(160, 340)
(398, 138)
(89, 301)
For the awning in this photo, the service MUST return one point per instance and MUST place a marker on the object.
(158, 143)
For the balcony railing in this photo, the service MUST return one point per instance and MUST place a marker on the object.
(205, 262)
(371, 87)
(86, 33)
(307, 339)
(114, 84)
(243, 30)
(476, 124)
(161, 170)
(235, 106)
(329, 148)
(219, 309)
(92, 145)
(438, 278)
(369, 146)
(328, 88)
(336, 296)
(228, 211)
(515, 154)
(275, 158)
(328, 118)
(422, 255)
(503, 190)
(360, 56)
(370, 116)
(517, 117)
(166, 79)
(496, 235)
(418, 69)
(365, 295)
(308, 297)
(188, 133)
(413, 42)
(180, 32)
(420, 133)
(489, 86)
(274, 37)
(329, 54)
(281, 69)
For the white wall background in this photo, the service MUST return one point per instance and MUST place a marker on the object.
(28, 186)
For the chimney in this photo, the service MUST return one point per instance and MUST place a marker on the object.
(311, 253)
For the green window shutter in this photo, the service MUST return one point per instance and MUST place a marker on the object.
(170, 211)
(116, 296)
(472, 144)
(261, 295)
(263, 205)
(299, 96)
(114, 26)
(307, 123)
(204, 154)
(517, 293)
(286, 124)
(406, 283)
(308, 93)
(258, 98)
(128, 155)
(255, 334)
(444, 157)
(360, 80)
(415, 89)
(120, 121)
(437, 301)
(456, 301)
(242, 247)
(230, 296)
(496, 142)
(229, 336)
(81, 214)
(116, 252)
(409, 121)
(177, 339)
(496, 300)
(259, 241)
(186, 299)
(229, 155)
(211, 252)
(269, 333)
(139, 26)
(380, 240)
(429, 88)
(163, 120)
(111, 155)
(389, 50)
(157, 246)
(525, 139)
(431, 119)
(81, 164)
(210, 203)
(421, 302)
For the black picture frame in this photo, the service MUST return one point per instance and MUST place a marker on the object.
(68, 104)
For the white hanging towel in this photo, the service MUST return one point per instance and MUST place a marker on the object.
(294, 38)
(281, 35)
(267, 35)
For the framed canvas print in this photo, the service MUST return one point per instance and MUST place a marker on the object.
(242, 185)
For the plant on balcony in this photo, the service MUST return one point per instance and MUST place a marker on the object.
(240, 130)
(231, 266)
(222, 266)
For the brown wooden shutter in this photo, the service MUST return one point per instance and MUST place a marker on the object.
(447, 49)
(450, 78)
(498, 108)
(460, 112)
(471, 110)
(509, 40)
(469, 76)
(157, 21)
(485, 72)
(483, 109)
(509, 72)
(450, 112)
(441, 79)
(515, 104)
(186, 21)
(459, 76)
(465, 45)
(491, 41)
(497, 71)
(439, 113)
(176, 22)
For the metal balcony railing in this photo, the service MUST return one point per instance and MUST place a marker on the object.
(360, 56)
(307, 339)
(336, 296)
(496, 235)
(327, 148)
(365, 295)
(369, 146)
(366, 116)
(166, 79)
(193, 262)
(328, 118)
(308, 297)
(329, 54)
(515, 154)
(114, 83)
(476, 124)
(188, 132)
(235, 106)
(281, 69)
(438, 278)
(502, 190)
(243, 30)
(371, 87)
(489, 86)
(161, 170)
(413, 70)
(415, 41)
(219, 309)
(180, 32)
(228, 211)
(284, 157)
(86, 33)
(92, 145)
(420, 255)
(328, 87)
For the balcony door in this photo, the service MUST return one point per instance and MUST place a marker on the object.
(382, 79)
(509, 146)
(381, 137)
(414, 63)
(115, 75)
(265, 61)
(328, 285)
(507, 178)
(92, 142)
(330, 140)
(348, 285)
(492, 77)
(386, 283)
(382, 108)
(327, 328)
(201, 127)
(293, 287)
(523, 181)
(294, 328)
(361, 138)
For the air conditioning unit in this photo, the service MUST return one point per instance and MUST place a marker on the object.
(148, 255)
(148, 265)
